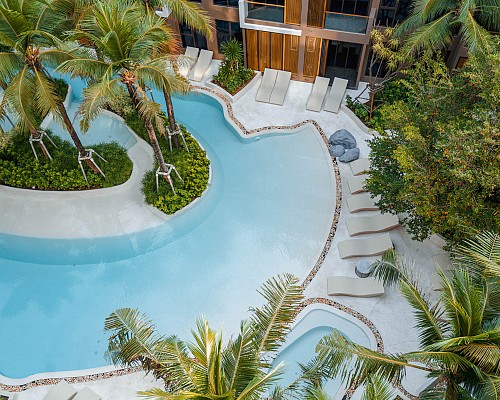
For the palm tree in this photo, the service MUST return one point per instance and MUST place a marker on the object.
(29, 46)
(195, 17)
(459, 338)
(206, 367)
(127, 48)
(432, 24)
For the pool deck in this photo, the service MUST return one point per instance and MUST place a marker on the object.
(390, 313)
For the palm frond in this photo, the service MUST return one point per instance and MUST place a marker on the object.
(393, 271)
(431, 36)
(476, 38)
(480, 254)
(133, 340)
(96, 98)
(272, 321)
(377, 388)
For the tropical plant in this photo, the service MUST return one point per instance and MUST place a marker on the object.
(206, 367)
(459, 338)
(29, 47)
(232, 74)
(134, 58)
(435, 161)
(432, 25)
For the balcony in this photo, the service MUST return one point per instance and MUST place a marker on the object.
(346, 22)
(265, 12)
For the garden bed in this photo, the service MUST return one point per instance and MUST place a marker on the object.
(193, 166)
(20, 169)
(240, 92)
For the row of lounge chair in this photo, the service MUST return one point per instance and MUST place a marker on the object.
(64, 391)
(366, 247)
(274, 86)
(333, 100)
(196, 63)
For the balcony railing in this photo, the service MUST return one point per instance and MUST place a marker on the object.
(346, 22)
(266, 12)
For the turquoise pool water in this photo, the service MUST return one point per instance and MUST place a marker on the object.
(306, 334)
(268, 210)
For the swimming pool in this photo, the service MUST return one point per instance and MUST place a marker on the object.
(313, 323)
(268, 210)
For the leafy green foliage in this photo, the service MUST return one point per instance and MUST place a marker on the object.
(193, 168)
(232, 75)
(208, 368)
(438, 161)
(19, 168)
(459, 333)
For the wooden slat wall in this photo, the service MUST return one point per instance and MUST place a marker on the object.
(276, 50)
(316, 13)
(264, 50)
(291, 61)
(312, 56)
(293, 9)
(252, 47)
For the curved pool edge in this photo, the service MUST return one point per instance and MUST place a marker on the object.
(49, 378)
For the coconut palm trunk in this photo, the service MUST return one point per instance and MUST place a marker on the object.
(171, 118)
(74, 136)
(36, 135)
(153, 140)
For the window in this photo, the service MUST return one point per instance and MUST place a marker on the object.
(392, 12)
(226, 3)
(356, 7)
(192, 38)
(227, 30)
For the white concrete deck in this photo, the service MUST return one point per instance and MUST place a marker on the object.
(82, 214)
(390, 313)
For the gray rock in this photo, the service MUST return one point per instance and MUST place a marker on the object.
(350, 155)
(344, 138)
(337, 150)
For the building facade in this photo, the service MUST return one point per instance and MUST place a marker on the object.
(306, 37)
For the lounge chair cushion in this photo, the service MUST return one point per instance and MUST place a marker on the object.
(377, 223)
(62, 391)
(201, 66)
(87, 394)
(267, 85)
(337, 92)
(360, 166)
(358, 287)
(356, 184)
(362, 202)
(280, 88)
(318, 94)
(372, 246)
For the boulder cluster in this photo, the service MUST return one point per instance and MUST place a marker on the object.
(343, 146)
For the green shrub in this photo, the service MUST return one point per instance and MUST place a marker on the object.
(232, 74)
(19, 168)
(193, 167)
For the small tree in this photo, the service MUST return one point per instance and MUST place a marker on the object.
(385, 63)
(438, 162)
(232, 74)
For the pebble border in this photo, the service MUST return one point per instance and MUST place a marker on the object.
(305, 283)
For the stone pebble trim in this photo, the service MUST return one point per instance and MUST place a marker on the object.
(305, 283)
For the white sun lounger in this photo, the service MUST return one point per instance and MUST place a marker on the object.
(188, 59)
(318, 94)
(360, 166)
(62, 391)
(357, 287)
(362, 202)
(201, 65)
(356, 184)
(372, 246)
(377, 223)
(337, 92)
(280, 88)
(267, 85)
(87, 394)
